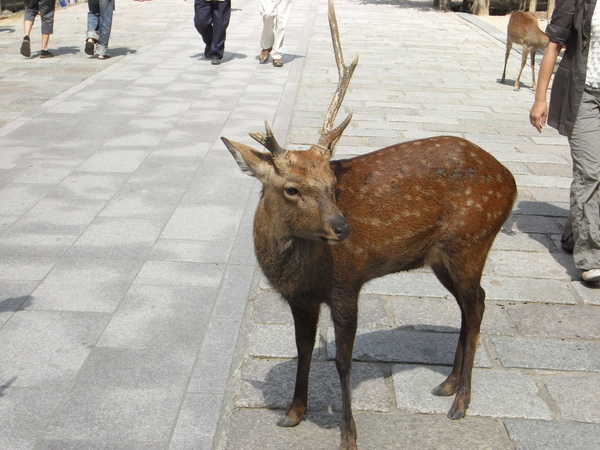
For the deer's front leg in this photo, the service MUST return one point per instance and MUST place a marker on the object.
(305, 326)
(344, 320)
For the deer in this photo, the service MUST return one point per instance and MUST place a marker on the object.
(323, 228)
(523, 29)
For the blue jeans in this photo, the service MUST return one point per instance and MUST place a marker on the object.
(100, 13)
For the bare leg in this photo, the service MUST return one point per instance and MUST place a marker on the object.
(45, 39)
(27, 26)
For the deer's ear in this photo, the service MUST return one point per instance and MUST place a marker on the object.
(252, 162)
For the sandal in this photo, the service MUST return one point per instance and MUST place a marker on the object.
(89, 47)
(103, 56)
(46, 54)
(26, 47)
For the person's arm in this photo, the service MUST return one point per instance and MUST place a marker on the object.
(539, 110)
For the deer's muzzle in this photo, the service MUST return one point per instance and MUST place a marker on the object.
(340, 228)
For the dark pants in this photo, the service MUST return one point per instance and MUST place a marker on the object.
(46, 10)
(211, 19)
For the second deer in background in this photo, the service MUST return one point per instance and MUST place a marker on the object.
(523, 29)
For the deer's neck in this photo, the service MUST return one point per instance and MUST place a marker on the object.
(292, 265)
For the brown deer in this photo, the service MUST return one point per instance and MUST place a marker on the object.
(323, 228)
(523, 29)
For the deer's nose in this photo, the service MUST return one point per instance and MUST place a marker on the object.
(341, 228)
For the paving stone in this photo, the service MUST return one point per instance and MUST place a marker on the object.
(548, 353)
(114, 237)
(85, 285)
(273, 341)
(414, 284)
(428, 432)
(25, 412)
(107, 160)
(399, 345)
(45, 349)
(136, 368)
(577, 397)
(527, 264)
(197, 422)
(89, 185)
(494, 393)
(91, 445)
(269, 307)
(527, 290)
(215, 359)
(116, 414)
(542, 435)
(14, 295)
(556, 321)
(429, 314)
(320, 431)
(190, 251)
(203, 223)
(160, 317)
(588, 292)
(142, 202)
(175, 273)
(269, 383)
(258, 429)
(235, 290)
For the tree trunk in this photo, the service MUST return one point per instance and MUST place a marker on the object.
(443, 5)
(551, 4)
(533, 6)
(481, 7)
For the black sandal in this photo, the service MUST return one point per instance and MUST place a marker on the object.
(26, 47)
(89, 47)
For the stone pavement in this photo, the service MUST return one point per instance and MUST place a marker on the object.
(132, 313)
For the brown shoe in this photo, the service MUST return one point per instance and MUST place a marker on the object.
(278, 63)
(264, 55)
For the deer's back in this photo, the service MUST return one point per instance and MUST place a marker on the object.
(523, 29)
(405, 200)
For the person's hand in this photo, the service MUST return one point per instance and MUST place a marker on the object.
(538, 114)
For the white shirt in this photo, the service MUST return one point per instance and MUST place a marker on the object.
(593, 65)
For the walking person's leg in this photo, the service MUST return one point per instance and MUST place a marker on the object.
(31, 11)
(203, 21)
(221, 17)
(585, 189)
(47, 8)
(268, 11)
(106, 14)
(283, 13)
(93, 24)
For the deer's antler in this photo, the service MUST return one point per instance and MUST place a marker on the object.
(330, 136)
(269, 142)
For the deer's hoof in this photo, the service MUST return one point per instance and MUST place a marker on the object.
(285, 421)
(441, 391)
(348, 446)
(455, 414)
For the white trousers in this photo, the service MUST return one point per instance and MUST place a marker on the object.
(275, 15)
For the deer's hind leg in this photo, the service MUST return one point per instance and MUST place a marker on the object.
(465, 286)
(525, 52)
(506, 55)
(306, 317)
(532, 57)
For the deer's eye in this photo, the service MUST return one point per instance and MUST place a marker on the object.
(292, 192)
